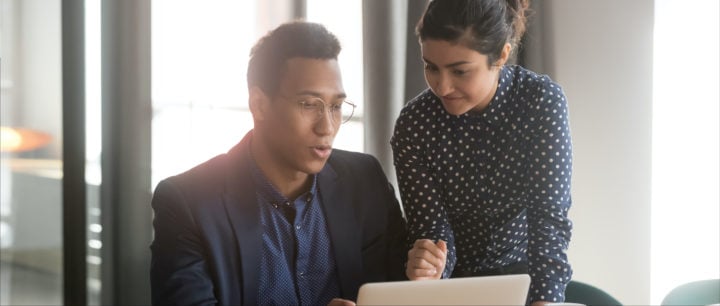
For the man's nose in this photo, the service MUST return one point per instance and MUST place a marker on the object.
(326, 124)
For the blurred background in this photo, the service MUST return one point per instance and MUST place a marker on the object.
(101, 99)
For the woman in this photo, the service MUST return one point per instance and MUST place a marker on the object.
(483, 157)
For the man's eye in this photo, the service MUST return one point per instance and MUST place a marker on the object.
(310, 104)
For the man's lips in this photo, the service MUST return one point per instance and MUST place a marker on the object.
(322, 147)
(322, 151)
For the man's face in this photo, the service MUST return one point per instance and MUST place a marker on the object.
(299, 138)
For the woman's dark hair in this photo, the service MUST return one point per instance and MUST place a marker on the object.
(482, 25)
(293, 39)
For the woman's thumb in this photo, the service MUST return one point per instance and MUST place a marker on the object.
(443, 246)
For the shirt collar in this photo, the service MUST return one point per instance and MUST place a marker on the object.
(270, 193)
(494, 114)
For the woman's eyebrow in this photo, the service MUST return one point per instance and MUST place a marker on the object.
(458, 63)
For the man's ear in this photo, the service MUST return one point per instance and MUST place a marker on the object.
(259, 103)
(504, 55)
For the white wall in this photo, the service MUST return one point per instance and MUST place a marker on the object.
(601, 53)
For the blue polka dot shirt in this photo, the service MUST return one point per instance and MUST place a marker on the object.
(297, 266)
(494, 185)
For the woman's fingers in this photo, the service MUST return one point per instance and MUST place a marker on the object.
(426, 260)
(421, 269)
(429, 245)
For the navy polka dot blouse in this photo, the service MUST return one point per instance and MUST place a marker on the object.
(494, 185)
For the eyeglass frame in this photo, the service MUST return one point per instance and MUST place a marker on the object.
(324, 109)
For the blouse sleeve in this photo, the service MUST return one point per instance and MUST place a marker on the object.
(420, 192)
(548, 187)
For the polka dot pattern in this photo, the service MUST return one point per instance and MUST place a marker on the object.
(494, 185)
(297, 266)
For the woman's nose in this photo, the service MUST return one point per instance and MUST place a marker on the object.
(443, 86)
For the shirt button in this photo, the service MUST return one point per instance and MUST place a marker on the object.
(297, 227)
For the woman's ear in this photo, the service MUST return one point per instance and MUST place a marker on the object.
(259, 103)
(504, 54)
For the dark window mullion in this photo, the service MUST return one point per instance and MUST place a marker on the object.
(73, 182)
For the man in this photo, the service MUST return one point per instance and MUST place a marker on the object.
(282, 218)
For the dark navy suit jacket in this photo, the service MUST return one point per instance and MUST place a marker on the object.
(207, 233)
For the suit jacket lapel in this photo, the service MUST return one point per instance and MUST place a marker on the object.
(343, 229)
(242, 210)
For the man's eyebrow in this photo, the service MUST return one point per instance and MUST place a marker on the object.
(318, 95)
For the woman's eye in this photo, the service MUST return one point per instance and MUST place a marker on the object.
(459, 72)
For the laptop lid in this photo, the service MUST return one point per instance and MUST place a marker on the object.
(484, 290)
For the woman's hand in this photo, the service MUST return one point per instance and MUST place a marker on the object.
(341, 302)
(426, 260)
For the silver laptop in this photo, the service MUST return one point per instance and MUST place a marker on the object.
(484, 290)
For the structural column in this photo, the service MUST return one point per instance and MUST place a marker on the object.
(73, 181)
(126, 152)
(384, 37)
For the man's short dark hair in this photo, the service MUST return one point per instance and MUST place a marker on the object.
(270, 54)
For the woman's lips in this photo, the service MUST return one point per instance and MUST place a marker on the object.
(452, 102)
(451, 99)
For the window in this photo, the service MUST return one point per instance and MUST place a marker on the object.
(348, 28)
(199, 87)
(198, 84)
(685, 224)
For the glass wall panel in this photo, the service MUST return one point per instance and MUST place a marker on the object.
(93, 147)
(31, 158)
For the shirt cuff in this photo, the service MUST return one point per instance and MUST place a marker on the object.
(546, 290)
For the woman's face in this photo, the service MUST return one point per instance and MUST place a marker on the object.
(460, 76)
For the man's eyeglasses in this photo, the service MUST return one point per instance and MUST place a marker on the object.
(313, 109)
